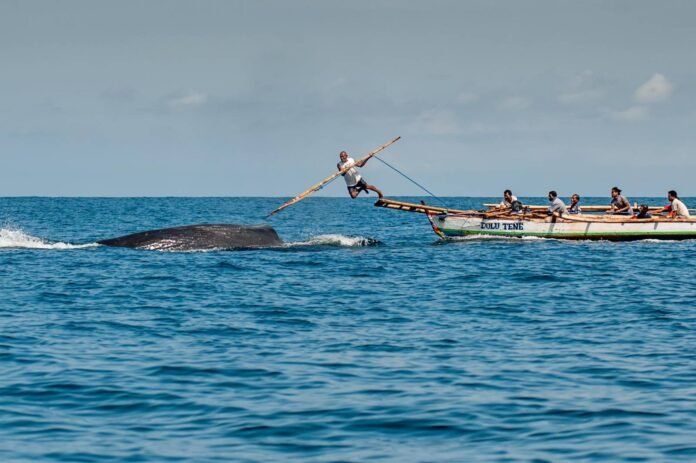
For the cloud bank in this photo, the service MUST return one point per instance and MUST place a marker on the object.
(656, 90)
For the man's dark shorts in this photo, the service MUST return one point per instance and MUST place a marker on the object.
(358, 187)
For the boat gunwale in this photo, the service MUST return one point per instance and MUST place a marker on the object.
(566, 218)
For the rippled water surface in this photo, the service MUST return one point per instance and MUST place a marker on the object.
(335, 349)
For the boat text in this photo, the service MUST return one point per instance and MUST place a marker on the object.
(517, 226)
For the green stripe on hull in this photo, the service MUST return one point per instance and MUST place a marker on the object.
(577, 236)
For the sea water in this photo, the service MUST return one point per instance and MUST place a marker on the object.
(364, 338)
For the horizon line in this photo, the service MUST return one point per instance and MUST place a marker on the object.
(289, 196)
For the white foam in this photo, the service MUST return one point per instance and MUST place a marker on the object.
(337, 240)
(17, 239)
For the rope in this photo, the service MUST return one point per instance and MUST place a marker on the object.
(322, 187)
(411, 180)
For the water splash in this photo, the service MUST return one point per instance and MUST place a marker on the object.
(338, 240)
(17, 239)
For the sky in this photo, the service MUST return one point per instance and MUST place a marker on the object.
(257, 98)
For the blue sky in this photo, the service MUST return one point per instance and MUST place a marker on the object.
(257, 98)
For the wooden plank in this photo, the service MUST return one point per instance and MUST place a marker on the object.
(418, 208)
(583, 208)
(620, 218)
(539, 208)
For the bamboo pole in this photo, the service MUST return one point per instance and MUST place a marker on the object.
(621, 218)
(584, 208)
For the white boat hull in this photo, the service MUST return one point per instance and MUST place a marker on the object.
(626, 230)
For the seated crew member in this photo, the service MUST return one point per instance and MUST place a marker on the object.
(556, 205)
(678, 208)
(508, 199)
(574, 207)
(643, 212)
(354, 180)
(619, 203)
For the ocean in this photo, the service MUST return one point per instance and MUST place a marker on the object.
(364, 338)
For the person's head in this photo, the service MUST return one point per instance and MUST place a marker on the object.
(343, 156)
(575, 198)
(643, 209)
(672, 195)
(507, 194)
(615, 192)
(552, 195)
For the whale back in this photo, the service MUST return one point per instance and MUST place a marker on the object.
(200, 237)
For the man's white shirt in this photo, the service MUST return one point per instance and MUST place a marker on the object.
(679, 208)
(351, 176)
(508, 204)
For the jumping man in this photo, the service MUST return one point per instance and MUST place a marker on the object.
(354, 180)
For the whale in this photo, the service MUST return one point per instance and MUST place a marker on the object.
(200, 238)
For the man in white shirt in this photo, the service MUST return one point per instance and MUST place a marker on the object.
(354, 180)
(679, 209)
(508, 199)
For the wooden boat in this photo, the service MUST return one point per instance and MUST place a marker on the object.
(449, 223)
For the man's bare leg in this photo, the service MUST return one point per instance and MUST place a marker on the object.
(376, 190)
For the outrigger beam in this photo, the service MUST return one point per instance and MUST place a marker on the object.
(419, 208)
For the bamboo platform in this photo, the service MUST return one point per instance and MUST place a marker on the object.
(584, 208)
(418, 208)
(537, 214)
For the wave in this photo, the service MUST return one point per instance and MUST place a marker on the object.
(17, 239)
(338, 241)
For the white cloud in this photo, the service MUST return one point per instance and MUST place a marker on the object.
(583, 88)
(466, 98)
(515, 103)
(658, 88)
(439, 122)
(189, 100)
(481, 129)
(119, 94)
(579, 97)
(634, 113)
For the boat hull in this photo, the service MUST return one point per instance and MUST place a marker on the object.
(459, 225)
